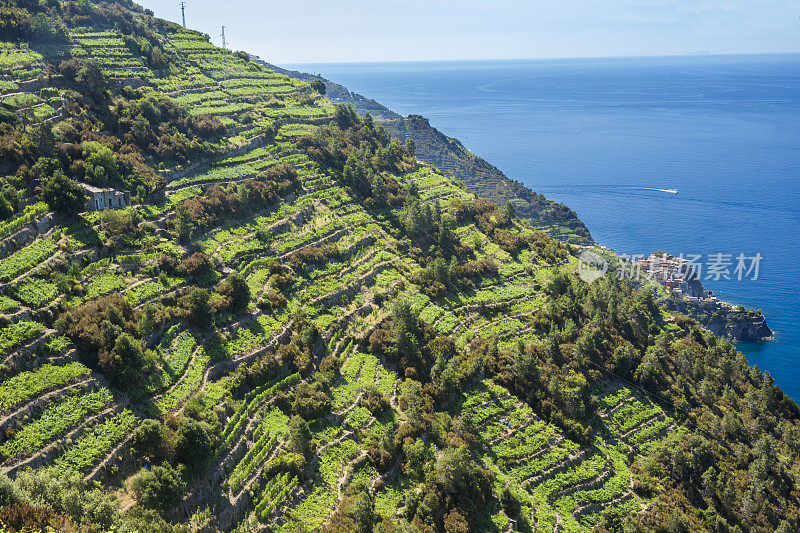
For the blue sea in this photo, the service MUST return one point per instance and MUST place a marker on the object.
(599, 135)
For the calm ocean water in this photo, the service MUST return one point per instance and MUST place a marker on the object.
(594, 133)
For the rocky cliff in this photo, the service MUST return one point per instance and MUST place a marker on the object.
(725, 320)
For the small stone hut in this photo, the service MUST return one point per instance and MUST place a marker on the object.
(108, 198)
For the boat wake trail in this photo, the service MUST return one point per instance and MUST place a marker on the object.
(671, 191)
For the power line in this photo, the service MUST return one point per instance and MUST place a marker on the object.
(183, 13)
(223, 38)
(662, 401)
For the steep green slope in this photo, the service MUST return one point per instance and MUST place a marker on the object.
(450, 156)
(299, 326)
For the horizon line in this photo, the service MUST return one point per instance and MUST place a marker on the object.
(549, 58)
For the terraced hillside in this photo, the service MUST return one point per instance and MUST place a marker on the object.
(453, 159)
(298, 326)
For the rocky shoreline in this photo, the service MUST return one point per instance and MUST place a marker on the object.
(725, 319)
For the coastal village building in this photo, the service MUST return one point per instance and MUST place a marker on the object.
(682, 277)
(99, 199)
(672, 272)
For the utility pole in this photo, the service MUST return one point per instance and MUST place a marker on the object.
(225, 54)
(183, 13)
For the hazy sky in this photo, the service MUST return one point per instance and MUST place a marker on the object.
(311, 31)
